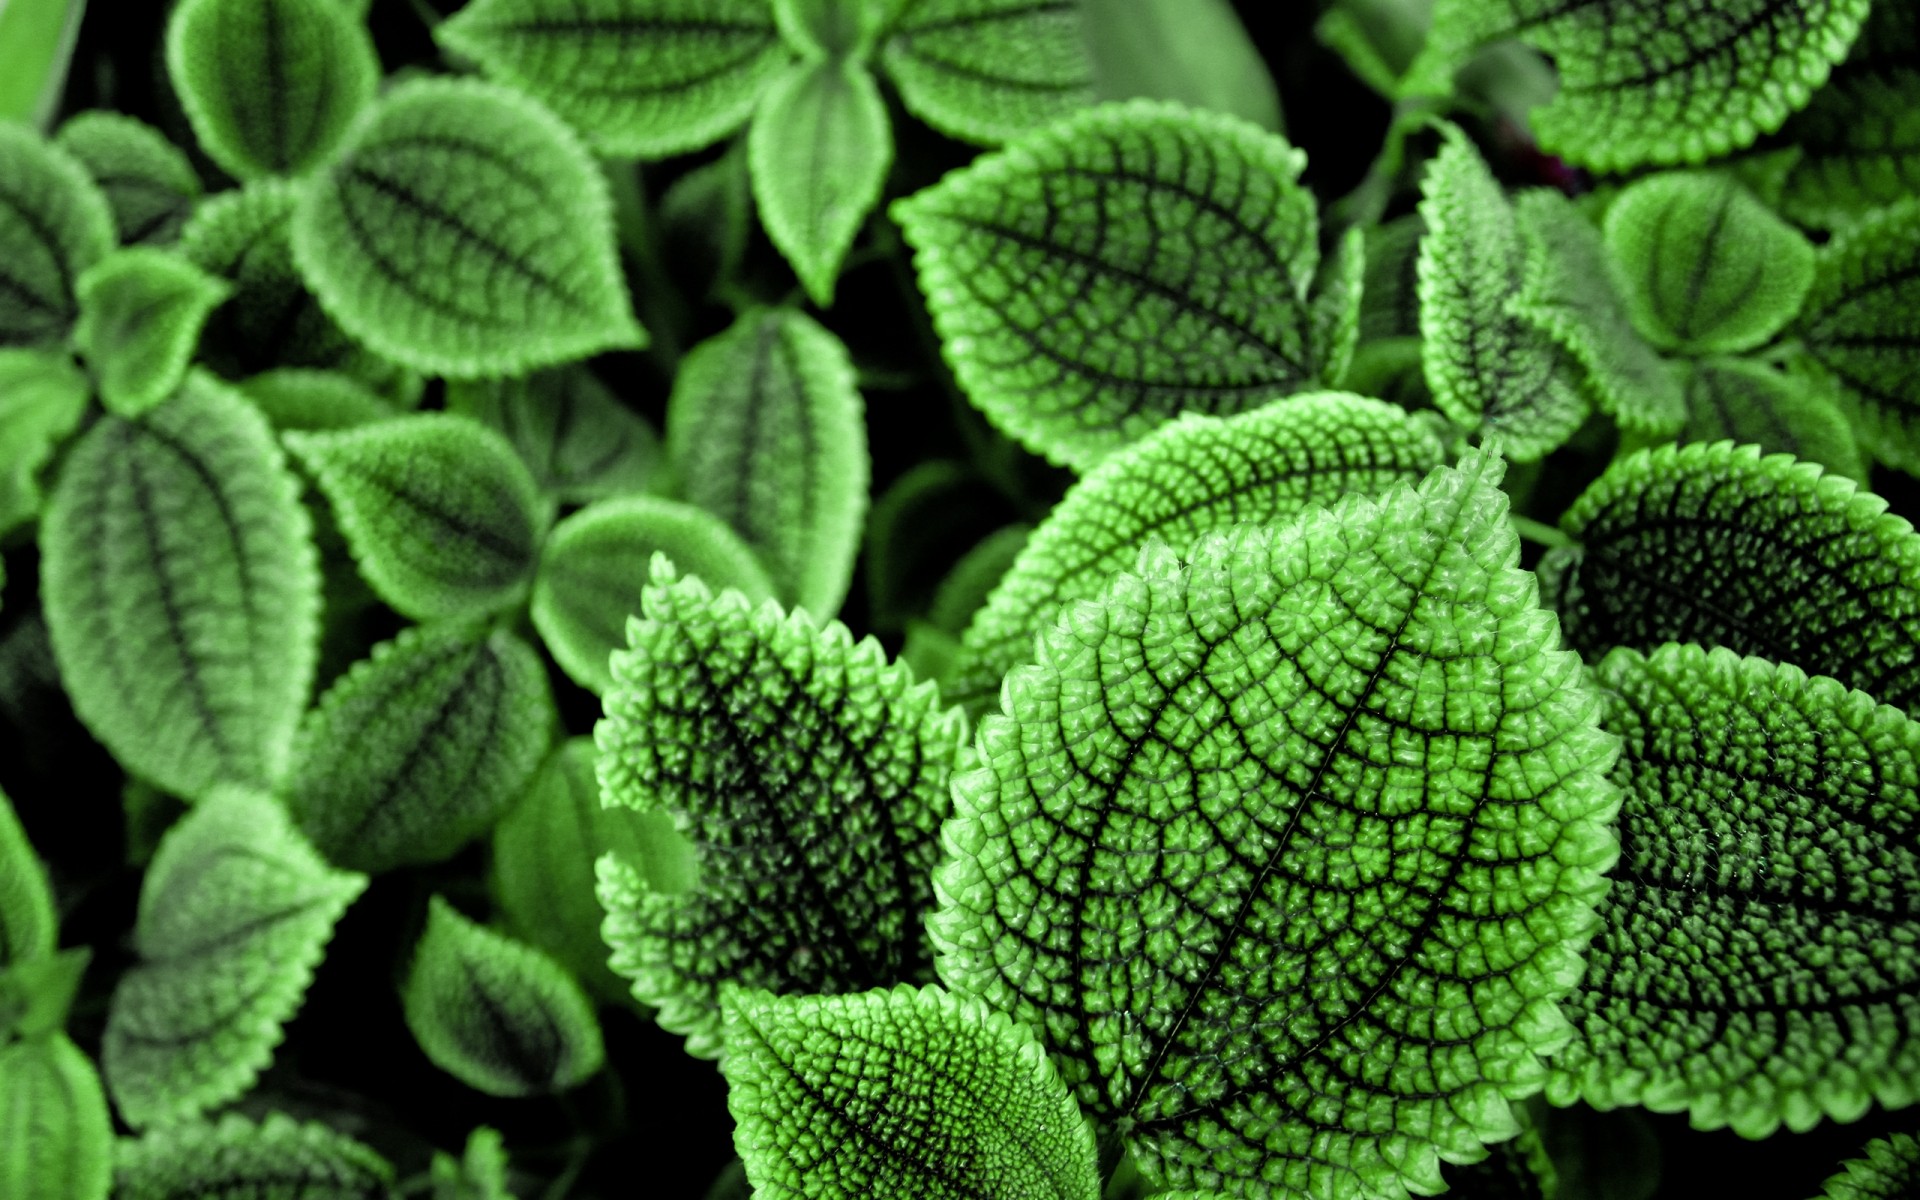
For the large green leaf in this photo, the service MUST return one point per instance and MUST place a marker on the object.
(1856, 147)
(911, 1094)
(42, 397)
(29, 927)
(141, 312)
(1108, 273)
(1194, 476)
(235, 913)
(463, 230)
(1766, 556)
(1288, 846)
(1750, 402)
(54, 224)
(811, 776)
(766, 431)
(56, 1139)
(989, 70)
(276, 1159)
(637, 77)
(148, 181)
(1889, 1169)
(303, 399)
(579, 440)
(181, 591)
(36, 46)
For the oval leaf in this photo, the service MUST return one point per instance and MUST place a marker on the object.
(299, 398)
(141, 311)
(463, 231)
(185, 628)
(42, 398)
(990, 70)
(56, 1139)
(578, 439)
(54, 224)
(29, 927)
(1750, 402)
(274, 1160)
(1196, 53)
(148, 181)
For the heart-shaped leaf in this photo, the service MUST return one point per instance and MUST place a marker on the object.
(276, 1159)
(141, 311)
(990, 70)
(56, 1139)
(54, 224)
(148, 181)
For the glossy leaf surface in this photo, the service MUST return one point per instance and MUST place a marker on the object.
(578, 439)
(141, 312)
(54, 224)
(148, 181)
(42, 397)
(989, 70)
(56, 1139)
(276, 1159)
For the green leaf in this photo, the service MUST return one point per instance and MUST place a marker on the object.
(1196, 53)
(1490, 369)
(637, 77)
(578, 439)
(479, 1174)
(235, 913)
(1334, 314)
(1653, 83)
(1768, 861)
(421, 747)
(181, 591)
(1192, 477)
(811, 776)
(270, 86)
(1888, 1170)
(42, 397)
(141, 311)
(818, 152)
(300, 398)
(1856, 147)
(967, 587)
(1704, 267)
(38, 38)
(1857, 327)
(594, 568)
(911, 1094)
(29, 926)
(766, 431)
(1388, 355)
(443, 517)
(56, 1139)
(498, 1015)
(274, 1160)
(148, 181)
(1766, 556)
(1106, 274)
(1289, 843)
(37, 994)
(463, 231)
(989, 70)
(1378, 39)
(831, 28)
(1749, 402)
(54, 224)
(544, 851)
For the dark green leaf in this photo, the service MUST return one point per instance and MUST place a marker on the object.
(42, 396)
(29, 927)
(989, 70)
(831, 28)
(300, 398)
(56, 1139)
(141, 311)
(1889, 1169)
(1378, 38)
(37, 994)
(54, 224)
(578, 439)
(274, 1160)
(966, 588)
(148, 181)
(1750, 402)
(1857, 146)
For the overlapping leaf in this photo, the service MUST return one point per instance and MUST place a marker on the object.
(478, 1174)
(1749, 402)
(28, 926)
(147, 180)
(141, 312)
(276, 1159)
(54, 224)
(1888, 1170)
(1857, 145)
(989, 70)
(42, 397)
(1196, 53)
(56, 1139)
(578, 439)
(301, 398)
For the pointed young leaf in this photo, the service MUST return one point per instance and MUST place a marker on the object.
(420, 748)
(766, 431)
(1751, 403)
(595, 566)
(148, 181)
(42, 397)
(1108, 273)
(989, 70)
(479, 1174)
(1190, 478)
(141, 311)
(811, 776)
(912, 1094)
(1288, 845)
(819, 151)
(578, 439)
(274, 1160)
(498, 1015)
(270, 86)
(463, 231)
(29, 927)
(1197, 53)
(1889, 1170)
(235, 913)
(637, 77)
(443, 517)
(181, 591)
(54, 224)
(303, 399)
(56, 1139)
(1758, 961)
(1766, 556)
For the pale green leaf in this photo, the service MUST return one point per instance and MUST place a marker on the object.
(1288, 846)
(464, 231)
(1889, 1169)
(54, 224)
(832, 28)
(29, 927)
(1750, 402)
(56, 1139)
(181, 591)
(1195, 52)
(235, 914)
(301, 398)
(42, 397)
(148, 181)
(276, 1159)
(479, 1174)
(1334, 313)
(578, 439)
(911, 1094)
(36, 47)
(989, 70)
(141, 312)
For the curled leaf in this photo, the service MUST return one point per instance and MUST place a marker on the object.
(42, 398)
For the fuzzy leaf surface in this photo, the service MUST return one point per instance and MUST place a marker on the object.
(149, 183)
(56, 1139)
(988, 71)
(1858, 142)
(1888, 1169)
(1272, 820)
(277, 1159)
(478, 1174)
(1750, 402)
(42, 398)
(301, 398)
(141, 312)
(54, 224)
(29, 927)
(578, 439)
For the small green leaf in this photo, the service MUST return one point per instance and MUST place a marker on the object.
(578, 439)
(831, 28)
(766, 431)
(149, 183)
(274, 1160)
(1705, 268)
(912, 1094)
(56, 1139)
(989, 70)
(54, 224)
(29, 927)
(38, 36)
(235, 913)
(1750, 402)
(819, 151)
(637, 77)
(595, 565)
(1195, 52)
(1106, 274)
(270, 86)
(303, 399)
(1888, 1170)
(498, 1015)
(37, 994)
(811, 776)
(42, 397)
(479, 1174)
(181, 591)
(1334, 313)
(966, 588)
(420, 748)
(443, 517)
(141, 311)
(1766, 556)
(1378, 39)
(463, 231)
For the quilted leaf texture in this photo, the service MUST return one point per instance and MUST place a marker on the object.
(464, 231)
(45, 397)
(578, 439)
(811, 776)
(1105, 274)
(56, 1139)
(148, 181)
(1750, 402)
(181, 591)
(276, 1159)
(908, 1093)
(29, 927)
(301, 398)
(1889, 1168)
(1858, 142)
(1288, 846)
(141, 312)
(54, 224)
(235, 913)
(989, 70)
